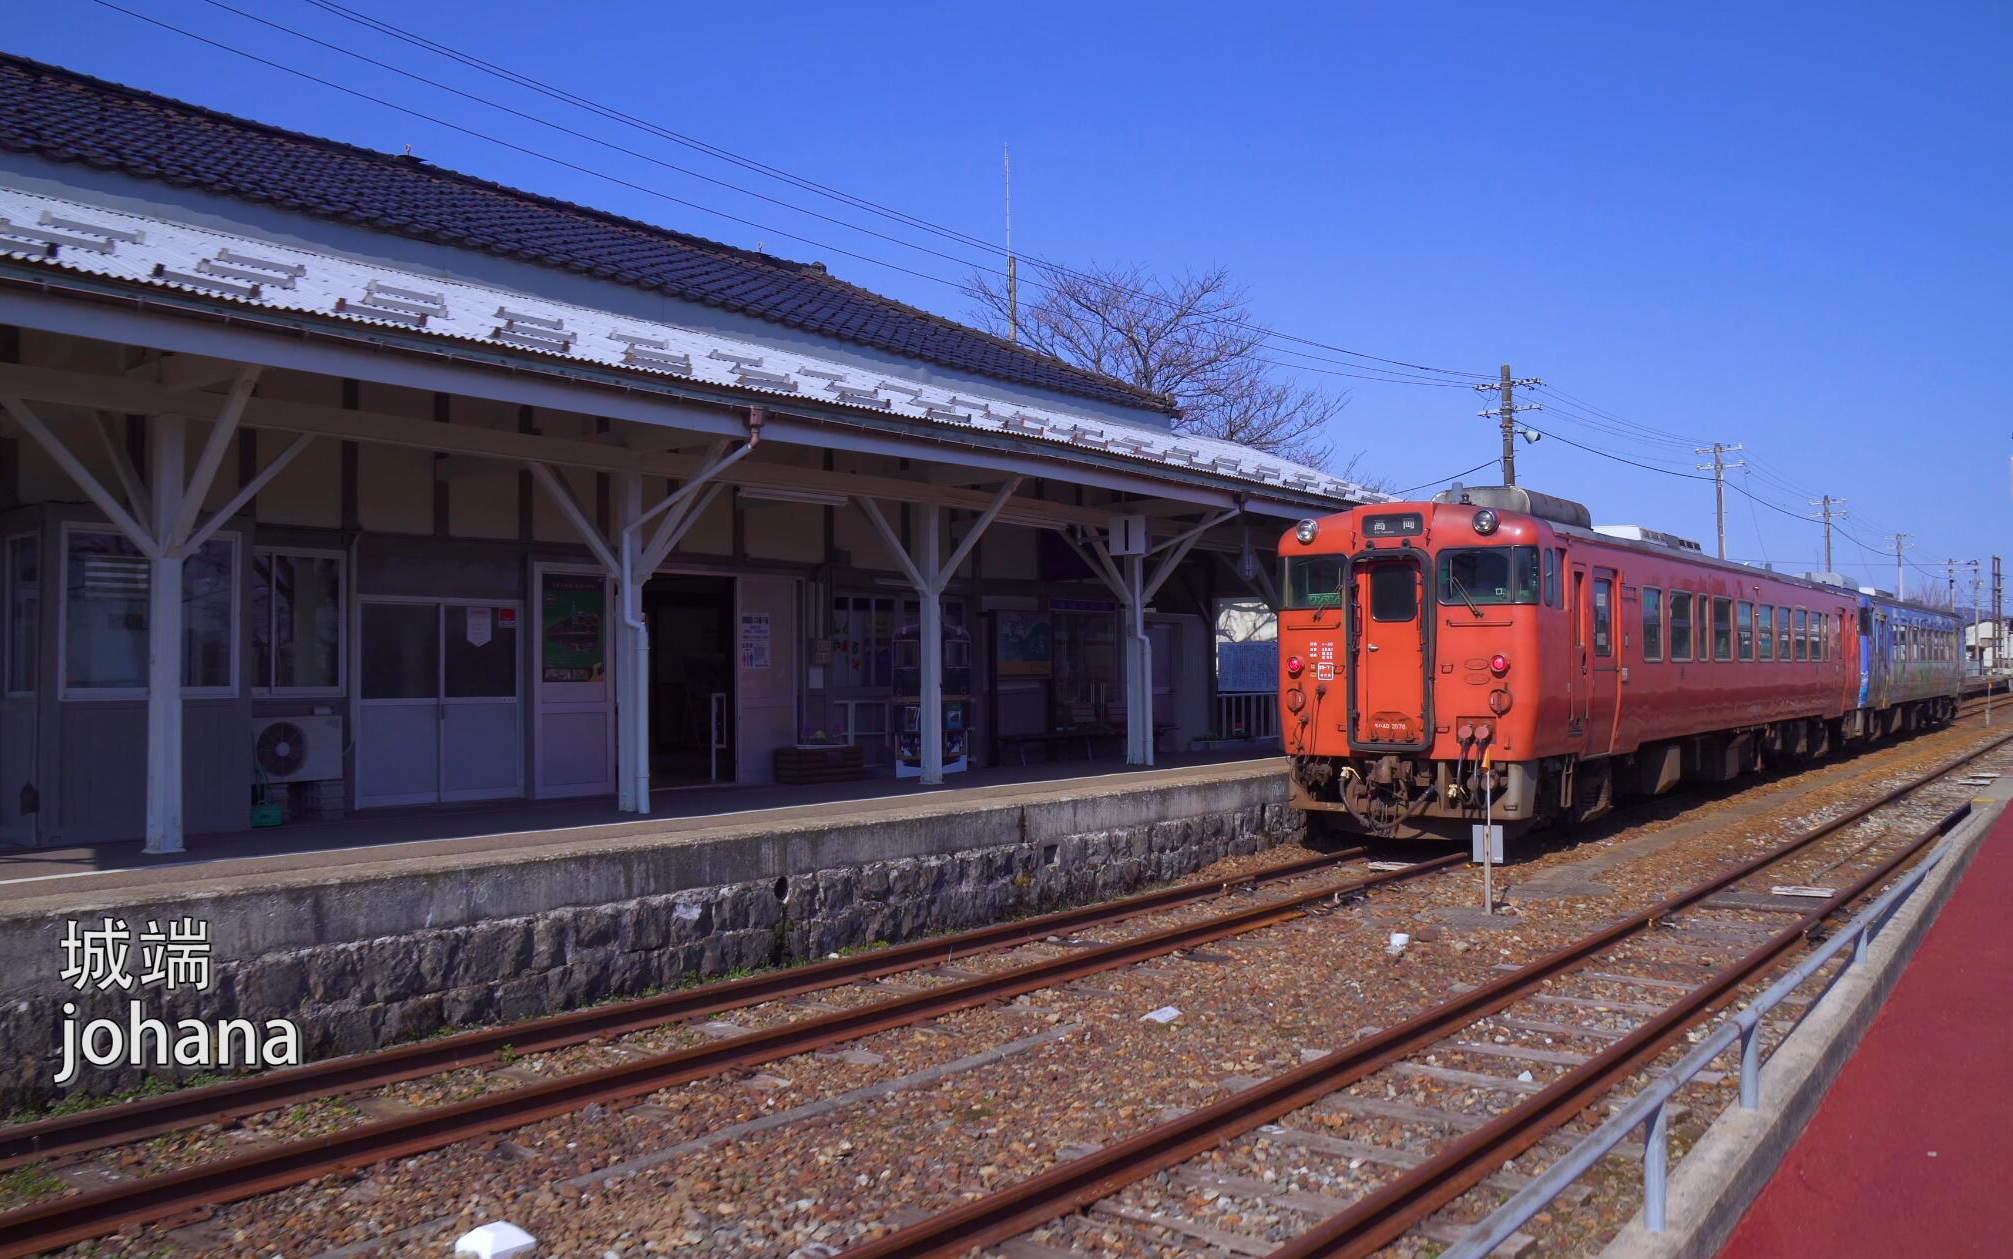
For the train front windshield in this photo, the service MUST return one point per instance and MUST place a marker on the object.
(1489, 574)
(1314, 581)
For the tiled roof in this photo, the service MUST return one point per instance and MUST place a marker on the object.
(210, 265)
(66, 117)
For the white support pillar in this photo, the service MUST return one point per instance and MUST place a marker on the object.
(931, 727)
(928, 577)
(164, 644)
(1139, 673)
(632, 705)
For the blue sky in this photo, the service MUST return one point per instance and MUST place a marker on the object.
(1781, 225)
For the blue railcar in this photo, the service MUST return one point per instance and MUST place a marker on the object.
(1911, 664)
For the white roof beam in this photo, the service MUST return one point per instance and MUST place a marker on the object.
(646, 403)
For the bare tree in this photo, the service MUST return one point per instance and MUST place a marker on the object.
(1935, 592)
(1190, 338)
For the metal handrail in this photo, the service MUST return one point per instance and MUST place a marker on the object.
(1648, 1108)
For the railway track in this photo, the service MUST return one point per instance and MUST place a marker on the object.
(1410, 1200)
(194, 1190)
(68, 1135)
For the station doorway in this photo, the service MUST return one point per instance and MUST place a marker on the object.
(692, 670)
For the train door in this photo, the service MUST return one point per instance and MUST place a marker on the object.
(1388, 657)
(1579, 683)
(1603, 655)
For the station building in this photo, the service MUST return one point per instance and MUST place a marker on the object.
(333, 481)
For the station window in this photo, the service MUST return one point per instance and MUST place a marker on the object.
(1604, 616)
(1782, 650)
(1743, 630)
(1764, 632)
(24, 611)
(1800, 637)
(104, 614)
(297, 621)
(1653, 623)
(1722, 629)
(1680, 625)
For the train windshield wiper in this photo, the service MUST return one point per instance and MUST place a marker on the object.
(1462, 591)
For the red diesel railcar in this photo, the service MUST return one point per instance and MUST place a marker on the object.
(1491, 647)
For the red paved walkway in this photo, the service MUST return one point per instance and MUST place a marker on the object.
(1911, 1151)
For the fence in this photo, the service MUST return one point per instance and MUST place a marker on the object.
(1647, 1109)
(1247, 715)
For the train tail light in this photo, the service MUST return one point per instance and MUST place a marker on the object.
(1499, 664)
(1293, 666)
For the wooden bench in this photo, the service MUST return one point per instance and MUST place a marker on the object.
(820, 763)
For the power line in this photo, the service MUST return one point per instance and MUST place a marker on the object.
(677, 200)
(872, 207)
(1425, 485)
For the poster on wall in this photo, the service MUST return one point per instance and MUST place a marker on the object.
(575, 607)
(1025, 647)
(754, 640)
(479, 627)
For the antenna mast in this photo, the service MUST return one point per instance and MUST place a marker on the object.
(1013, 278)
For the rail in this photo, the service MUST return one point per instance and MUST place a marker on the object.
(1648, 1109)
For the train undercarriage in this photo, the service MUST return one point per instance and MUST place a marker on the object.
(1393, 796)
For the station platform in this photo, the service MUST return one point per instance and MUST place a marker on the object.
(1907, 1153)
(496, 828)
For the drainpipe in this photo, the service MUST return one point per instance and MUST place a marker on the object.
(635, 794)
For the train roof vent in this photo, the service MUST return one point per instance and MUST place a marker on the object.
(1830, 579)
(1636, 533)
(1518, 499)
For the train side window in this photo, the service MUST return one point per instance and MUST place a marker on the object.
(1764, 632)
(1604, 616)
(1551, 577)
(1680, 625)
(1653, 623)
(1800, 637)
(1782, 633)
(1743, 630)
(1722, 629)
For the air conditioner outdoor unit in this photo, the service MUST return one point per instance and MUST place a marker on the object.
(298, 749)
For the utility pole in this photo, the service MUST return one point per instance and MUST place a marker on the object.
(1013, 276)
(1506, 411)
(1973, 564)
(1998, 610)
(1718, 467)
(1828, 506)
(1900, 541)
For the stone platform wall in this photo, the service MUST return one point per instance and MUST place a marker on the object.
(366, 958)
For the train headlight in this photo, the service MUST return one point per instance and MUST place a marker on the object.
(1485, 521)
(1295, 700)
(1305, 531)
(1293, 666)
